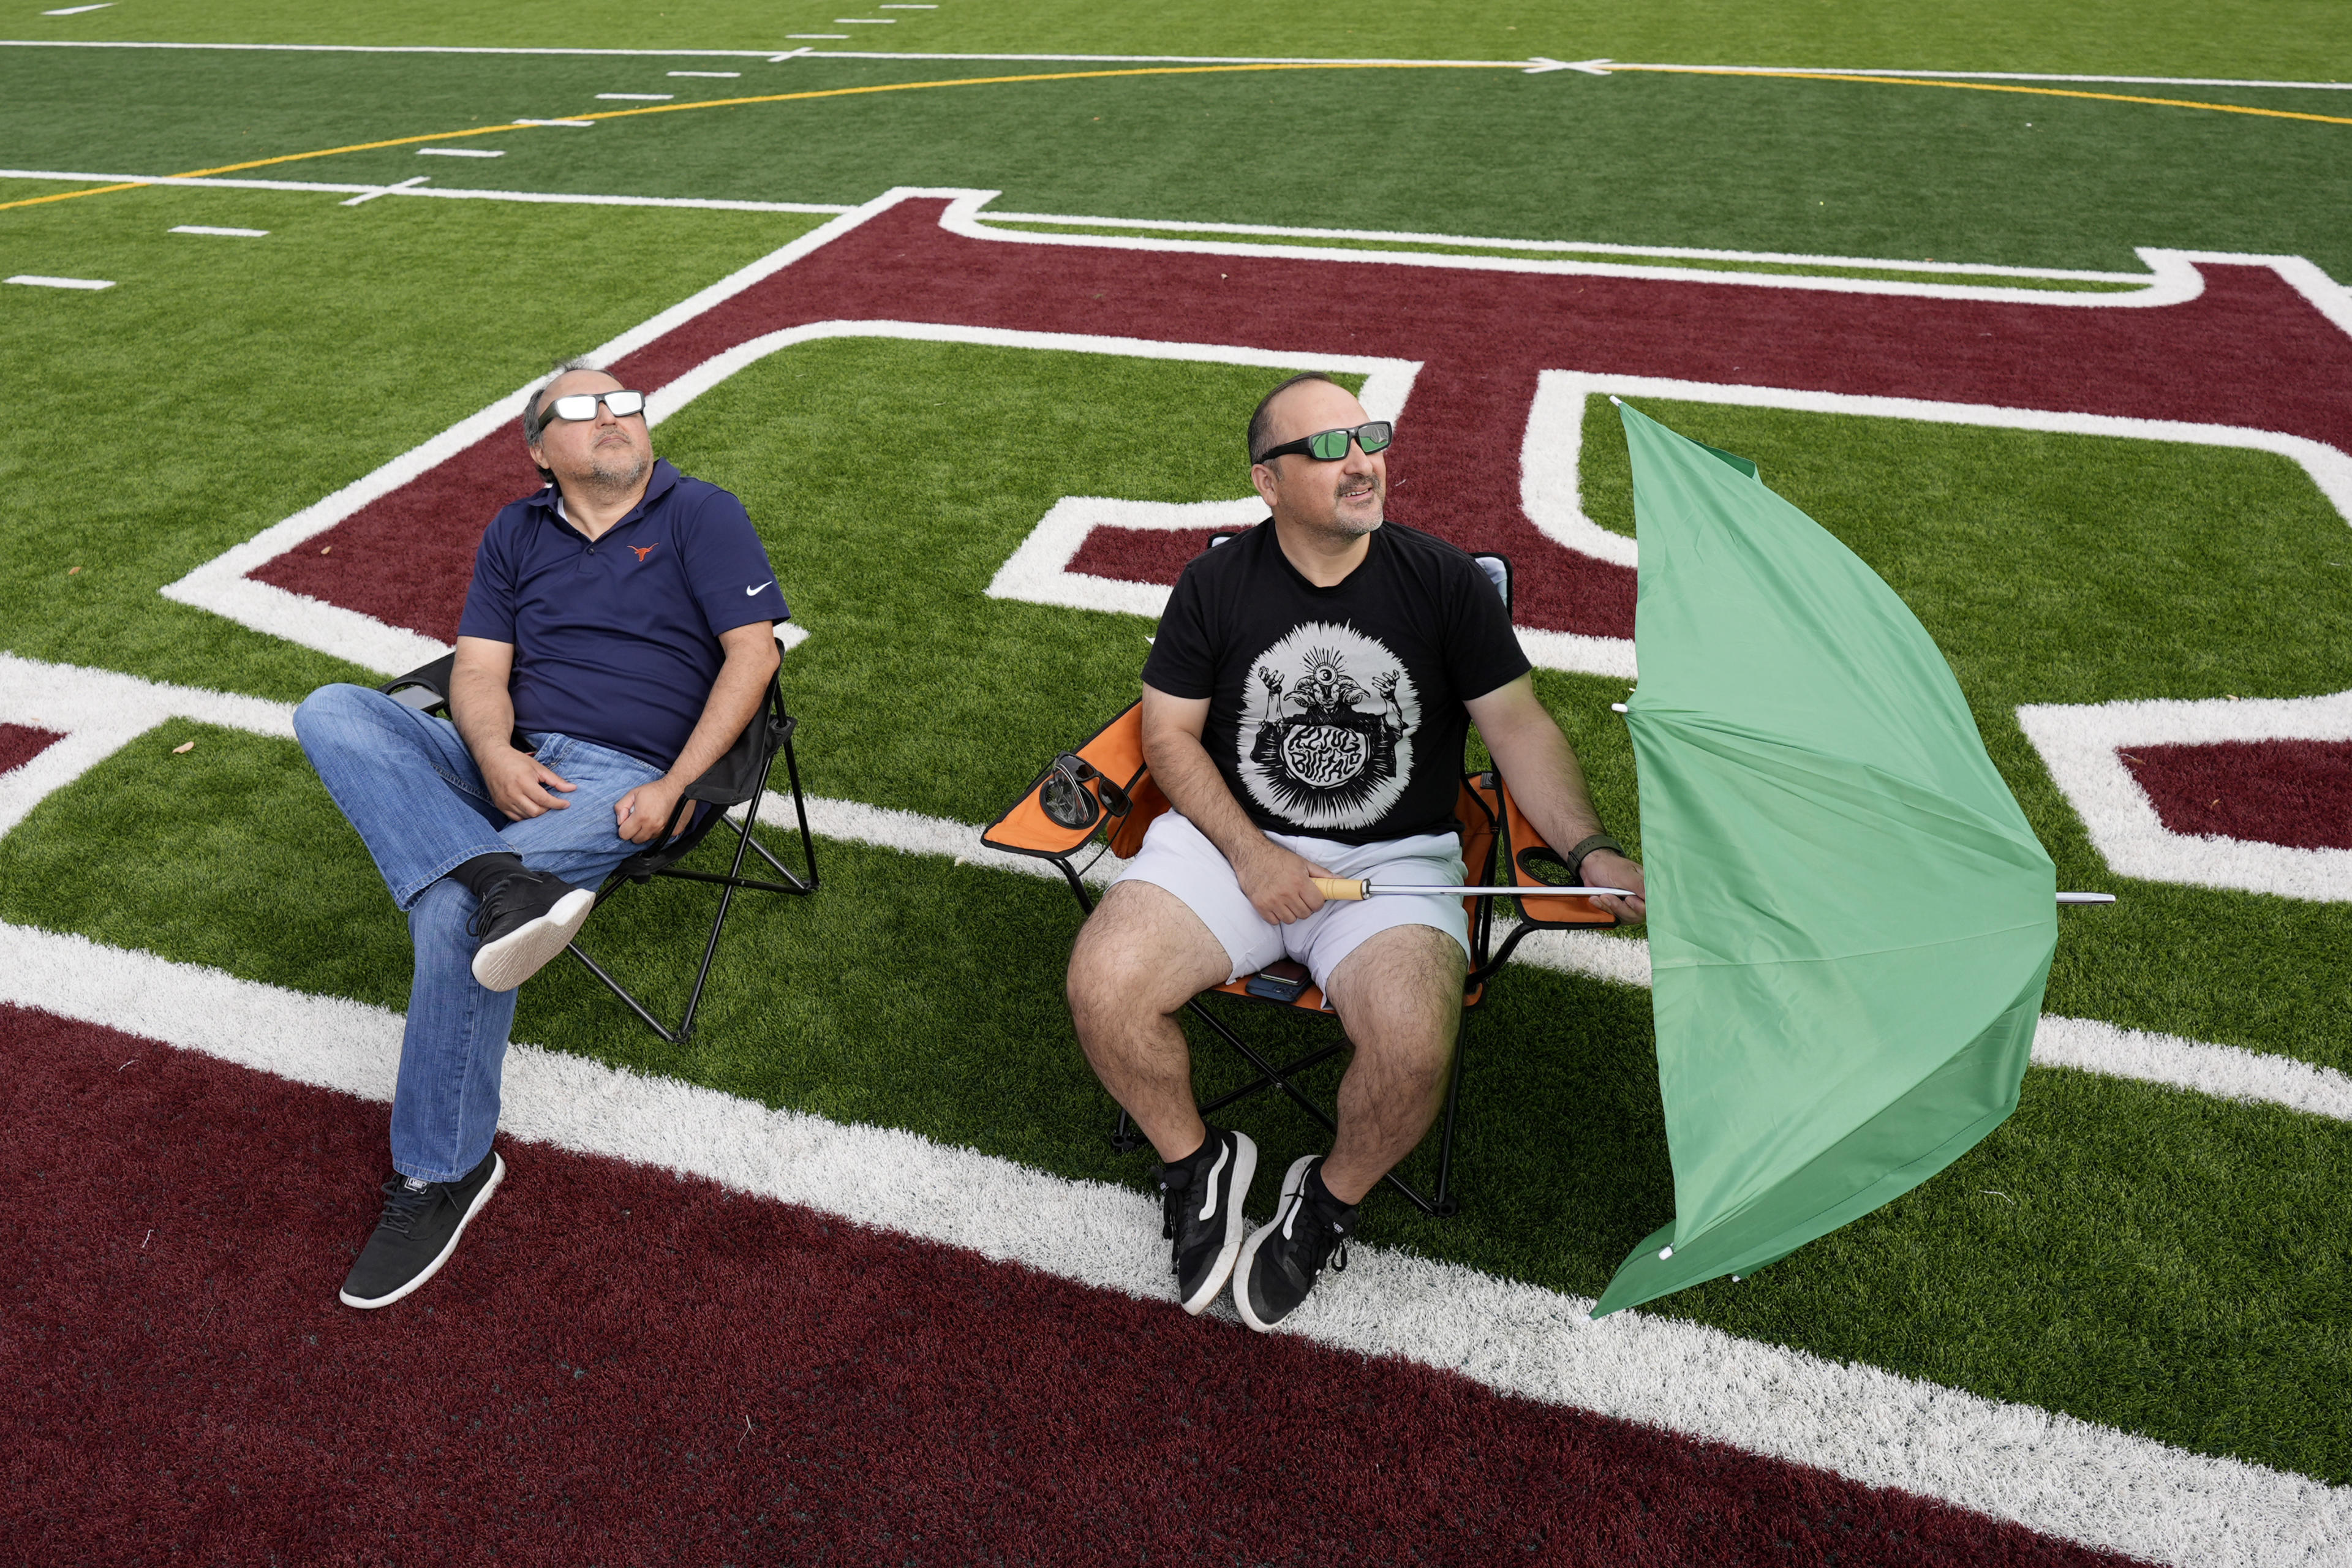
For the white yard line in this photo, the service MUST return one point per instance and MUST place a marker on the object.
(226, 233)
(440, 193)
(37, 281)
(99, 711)
(458, 153)
(2050, 1473)
(1146, 60)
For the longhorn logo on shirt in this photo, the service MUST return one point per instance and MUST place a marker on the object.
(644, 550)
(1327, 732)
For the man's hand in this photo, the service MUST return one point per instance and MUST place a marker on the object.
(642, 815)
(1607, 869)
(518, 783)
(1277, 882)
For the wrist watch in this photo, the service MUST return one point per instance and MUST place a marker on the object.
(1584, 847)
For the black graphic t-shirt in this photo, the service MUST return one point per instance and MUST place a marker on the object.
(1338, 712)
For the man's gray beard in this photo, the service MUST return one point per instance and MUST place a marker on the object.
(603, 476)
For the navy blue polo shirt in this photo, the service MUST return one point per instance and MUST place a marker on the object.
(616, 642)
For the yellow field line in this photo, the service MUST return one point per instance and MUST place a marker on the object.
(1192, 70)
(1993, 87)
(765, 97)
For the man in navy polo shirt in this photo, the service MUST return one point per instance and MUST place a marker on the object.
(621, 621)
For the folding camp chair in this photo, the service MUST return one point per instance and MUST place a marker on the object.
(1112, 797)
(737, 779)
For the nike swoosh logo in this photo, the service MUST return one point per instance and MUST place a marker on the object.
(748, 593)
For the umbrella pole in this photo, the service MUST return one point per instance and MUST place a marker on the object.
(1347, 888)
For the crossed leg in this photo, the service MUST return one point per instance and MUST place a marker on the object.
(1144, 955)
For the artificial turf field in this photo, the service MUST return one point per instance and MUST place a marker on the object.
(2144, 1258)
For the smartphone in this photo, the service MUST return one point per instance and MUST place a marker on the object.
(1283, 980)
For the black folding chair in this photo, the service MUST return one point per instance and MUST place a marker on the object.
(737, 779)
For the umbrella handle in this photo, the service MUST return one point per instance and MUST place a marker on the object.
(1342, 888)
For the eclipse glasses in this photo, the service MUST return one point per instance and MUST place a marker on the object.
(1330, 446)
(577, 405)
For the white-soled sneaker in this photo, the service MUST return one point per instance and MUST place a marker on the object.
(526, 919)
(1201, 1200)
(1281, 1261)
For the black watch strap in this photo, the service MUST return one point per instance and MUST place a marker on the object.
(1575, 858)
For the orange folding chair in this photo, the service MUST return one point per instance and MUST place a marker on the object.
(1103, 791)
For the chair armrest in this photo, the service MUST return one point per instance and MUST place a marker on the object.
(1527, 850)
(424, 687)
(1116, 752)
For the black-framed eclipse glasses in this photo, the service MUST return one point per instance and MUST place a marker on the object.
(1066, 800)
(1330, 446)
(578, 405)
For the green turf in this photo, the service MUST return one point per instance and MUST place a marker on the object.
(1805, 167)
(225, 384)
(2151, 1260)
(2294, 39)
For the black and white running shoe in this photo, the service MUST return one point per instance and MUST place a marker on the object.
(420, 1223)
(527, 918)
(1201, 1198)
(1280, 1262)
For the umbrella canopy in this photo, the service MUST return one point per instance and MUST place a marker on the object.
(1850, 921)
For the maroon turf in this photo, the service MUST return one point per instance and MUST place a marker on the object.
(2249, 350)
(622, 1366)
(1139, 554)
(20, 743)
(2296, 793)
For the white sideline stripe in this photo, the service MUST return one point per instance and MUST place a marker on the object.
(2084, 1044)
(2081, 744)
(458, 153)
(2049, 1472)
(226, 233)
(1136, 59)
(99, 711)
(640, 96)
(444, 192)
(37, 281)
(707, 73)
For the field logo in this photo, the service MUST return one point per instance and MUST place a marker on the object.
(1497, 356)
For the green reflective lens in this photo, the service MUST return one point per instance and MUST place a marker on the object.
(1328, 446)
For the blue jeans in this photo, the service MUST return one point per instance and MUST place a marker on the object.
(410, 787)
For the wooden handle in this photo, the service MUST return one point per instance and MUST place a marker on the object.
(1337, 887)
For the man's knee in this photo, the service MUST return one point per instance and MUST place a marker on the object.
(333, 710)
(1132, 956)
(1404, 979)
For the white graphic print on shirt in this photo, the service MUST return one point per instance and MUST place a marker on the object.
(1326, 737)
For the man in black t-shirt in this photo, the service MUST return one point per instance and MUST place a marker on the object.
(1305, 707)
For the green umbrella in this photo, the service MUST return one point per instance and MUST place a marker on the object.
(1850, 921)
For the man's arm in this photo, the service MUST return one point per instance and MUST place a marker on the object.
(483, 709)
(1275, 881)
(1542, 770)
(642, 813)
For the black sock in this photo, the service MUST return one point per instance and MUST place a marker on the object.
(1321, 1196)
(483, 872)
(1198, 1157)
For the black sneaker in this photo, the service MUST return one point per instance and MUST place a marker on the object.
(422, 1222)
(1201, 1198)
(526, 919)
(1280, 1263)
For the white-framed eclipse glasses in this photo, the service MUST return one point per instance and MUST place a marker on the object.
(580, 405)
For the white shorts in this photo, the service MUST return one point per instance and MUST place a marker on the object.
(1179, 856)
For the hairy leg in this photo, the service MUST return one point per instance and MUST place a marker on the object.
(1139, 959)
(1400, 997)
